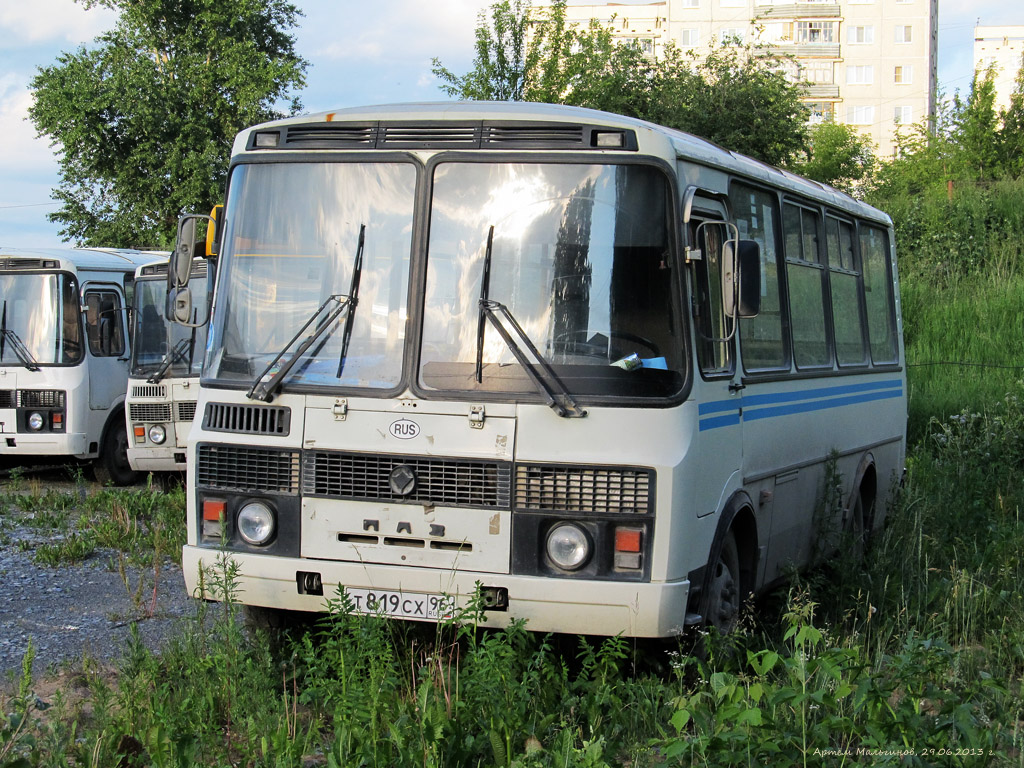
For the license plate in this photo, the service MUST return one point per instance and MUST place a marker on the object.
(406, 605)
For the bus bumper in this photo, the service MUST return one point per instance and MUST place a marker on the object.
(44, 444)
(156, 459)
(547, 605)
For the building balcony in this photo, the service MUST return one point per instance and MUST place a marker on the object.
(818, 91)
(802, 50)
(798, 11)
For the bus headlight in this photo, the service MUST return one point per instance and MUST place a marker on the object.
(157, 434)
(35, 421)
(568, 546)
(256, 523)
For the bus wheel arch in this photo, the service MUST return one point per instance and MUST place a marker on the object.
(860, 507)
(111, 466)
(732, 565)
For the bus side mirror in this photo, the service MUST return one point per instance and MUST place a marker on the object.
(187, 246)
(741, 278)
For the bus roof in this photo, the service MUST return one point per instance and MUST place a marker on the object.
(96, 259)
(684, 145)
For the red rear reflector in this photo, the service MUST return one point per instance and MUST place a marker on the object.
(213, 510)
(627, 539)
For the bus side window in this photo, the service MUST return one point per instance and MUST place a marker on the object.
(762, 338)
(103, 325)
(805, 280)
(878, 299)
(844, 278)
(714, 329)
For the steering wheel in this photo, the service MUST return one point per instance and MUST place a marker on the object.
(599, 350)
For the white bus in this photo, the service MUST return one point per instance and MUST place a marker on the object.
(64, 347)
(164, 381)
(579, 369)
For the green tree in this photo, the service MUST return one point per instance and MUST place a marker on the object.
(736, 97)
(839, 155)
(976, 128)
(143, 121)
(1012, 133)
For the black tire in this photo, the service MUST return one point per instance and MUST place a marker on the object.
(723, 593)
(111, 467)
(857, 529)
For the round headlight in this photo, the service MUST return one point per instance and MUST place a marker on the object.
(157, 434)
(256, 523)
(568, 546)
(35, 421)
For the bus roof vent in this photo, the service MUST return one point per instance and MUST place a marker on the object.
(538, 136)
(151, 270)
(247, 419)
(331, 136)
(429, 136)
(10, 263)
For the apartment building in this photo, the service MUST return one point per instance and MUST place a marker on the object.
(869, 63)
(1001, 49)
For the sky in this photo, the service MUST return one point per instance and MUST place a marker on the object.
(358, 52)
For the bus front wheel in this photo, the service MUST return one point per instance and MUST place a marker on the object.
(111, 466)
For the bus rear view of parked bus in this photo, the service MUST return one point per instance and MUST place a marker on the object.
(64, 347)
(561, 365)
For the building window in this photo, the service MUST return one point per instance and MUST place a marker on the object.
(733, 3)
(820, 112)
(860, 35)
(860, 115)
(903, 115)
(903, 74)
(689, 3)
(904, 33)
(731, 36)
(860, 74)
(689, 38)
(817, 72)
(814, 32)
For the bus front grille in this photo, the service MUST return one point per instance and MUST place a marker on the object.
(149, 411)
(186, 411)
(435, 481)
(7, 398)
(232, 467)
(596, 490)
(247, 419)
(41, 398)
(149, 390)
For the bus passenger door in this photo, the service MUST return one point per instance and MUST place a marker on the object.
(107, 345)
(717, 461)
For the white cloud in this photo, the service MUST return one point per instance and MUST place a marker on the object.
(23, 153)
(25, 23)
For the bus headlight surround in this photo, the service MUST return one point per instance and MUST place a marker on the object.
(35, 421)
(256, 523)
(157, 434)
(568, 546)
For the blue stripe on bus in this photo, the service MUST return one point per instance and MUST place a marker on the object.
(788, 403)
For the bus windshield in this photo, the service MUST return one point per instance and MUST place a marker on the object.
(177, 350)
(40, 319)
(578, 254)
(290, 243)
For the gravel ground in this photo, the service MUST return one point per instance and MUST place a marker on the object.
(84, 608)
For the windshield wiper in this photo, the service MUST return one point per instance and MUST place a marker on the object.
(9, 336)
(178, 353)
(560, 401)
(265, 385)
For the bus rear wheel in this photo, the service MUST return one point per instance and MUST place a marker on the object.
(723, 597)
(111, 466)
